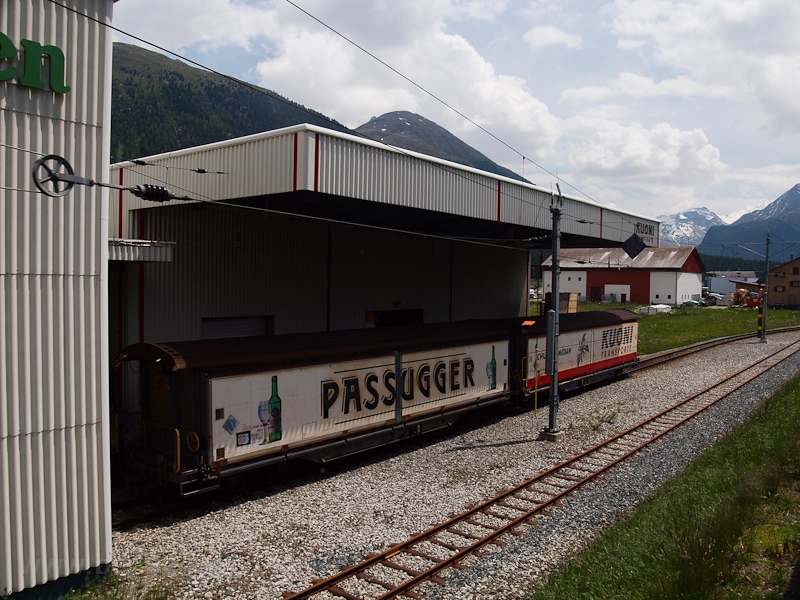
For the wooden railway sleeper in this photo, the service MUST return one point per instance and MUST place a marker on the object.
(526, 499)
(464, 534)
(375, 581)
(393, 565)
(421, 554)
(479, 524)
(496, 515)
(511, 506)
(446, 545)
(576, 467)
(561, 486)
(337, 591)
(567, 477)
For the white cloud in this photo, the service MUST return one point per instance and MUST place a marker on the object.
(548, 35)
(209, 23)
(482, 10)
(320, 70)
(633, 85)
(748, 47)
(634, 155)
(640, 117)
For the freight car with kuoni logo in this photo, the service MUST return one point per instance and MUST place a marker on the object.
(214, 408)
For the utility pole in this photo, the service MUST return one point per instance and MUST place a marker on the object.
(552, 433)
(765, 297)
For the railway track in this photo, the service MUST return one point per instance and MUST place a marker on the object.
(404, 569)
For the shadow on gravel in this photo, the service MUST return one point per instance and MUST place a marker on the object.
(269, 481)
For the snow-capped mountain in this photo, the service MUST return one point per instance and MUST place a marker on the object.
(787, 203)
(687, 228)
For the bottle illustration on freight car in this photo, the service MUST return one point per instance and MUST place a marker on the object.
(491, 371)
(583, 350)
(269, 412)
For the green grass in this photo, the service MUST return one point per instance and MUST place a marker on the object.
(727, 526)
(685, 326)
(118, 585)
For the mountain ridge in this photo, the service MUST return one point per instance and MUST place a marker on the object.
(687, 228)
(414, 132)
(184, 106)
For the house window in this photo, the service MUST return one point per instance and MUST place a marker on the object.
(569, 278)
(669, 296)
(657, 296)
(780, 288)
(780, 274)
(795, 284)
(580, 278)
(795, 270)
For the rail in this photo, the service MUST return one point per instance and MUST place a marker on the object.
(468, 533)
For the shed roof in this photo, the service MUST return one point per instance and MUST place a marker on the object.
(315, 172)
(668, 258)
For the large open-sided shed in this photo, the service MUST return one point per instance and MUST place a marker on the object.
(305, 229)
(312, 171)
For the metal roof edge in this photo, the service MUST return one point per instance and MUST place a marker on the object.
(378, 145)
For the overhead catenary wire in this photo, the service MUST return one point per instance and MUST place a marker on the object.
(539, 207)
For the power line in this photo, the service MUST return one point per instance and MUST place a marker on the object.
(435, 97)
(275, 96)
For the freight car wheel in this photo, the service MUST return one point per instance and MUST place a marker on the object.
(193, 441)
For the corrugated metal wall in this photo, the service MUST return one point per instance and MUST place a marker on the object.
(252, 166)
(54, 448)
(308, 275)
(230, 263)
(306, 157)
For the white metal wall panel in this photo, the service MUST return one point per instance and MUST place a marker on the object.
(663, 287)
(242, 168)
(306, 157)
(55, 515)
(352, 169)
(690, 286)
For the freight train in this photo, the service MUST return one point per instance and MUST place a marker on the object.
(215, 408)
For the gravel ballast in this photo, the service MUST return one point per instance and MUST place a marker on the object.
(280, 537)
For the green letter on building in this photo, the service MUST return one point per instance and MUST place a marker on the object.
(32, 77)
(7, 50)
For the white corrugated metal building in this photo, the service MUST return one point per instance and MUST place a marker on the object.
(307, 229)
(55, 66)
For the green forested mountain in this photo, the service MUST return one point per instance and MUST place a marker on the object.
(159, 104)
(407, 130)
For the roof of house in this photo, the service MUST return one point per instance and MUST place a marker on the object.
(744, 274)
(792, 262)
(664, 257)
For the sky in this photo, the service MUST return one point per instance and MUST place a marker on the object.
(649, 106)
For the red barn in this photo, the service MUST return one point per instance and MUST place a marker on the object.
(665, 275)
